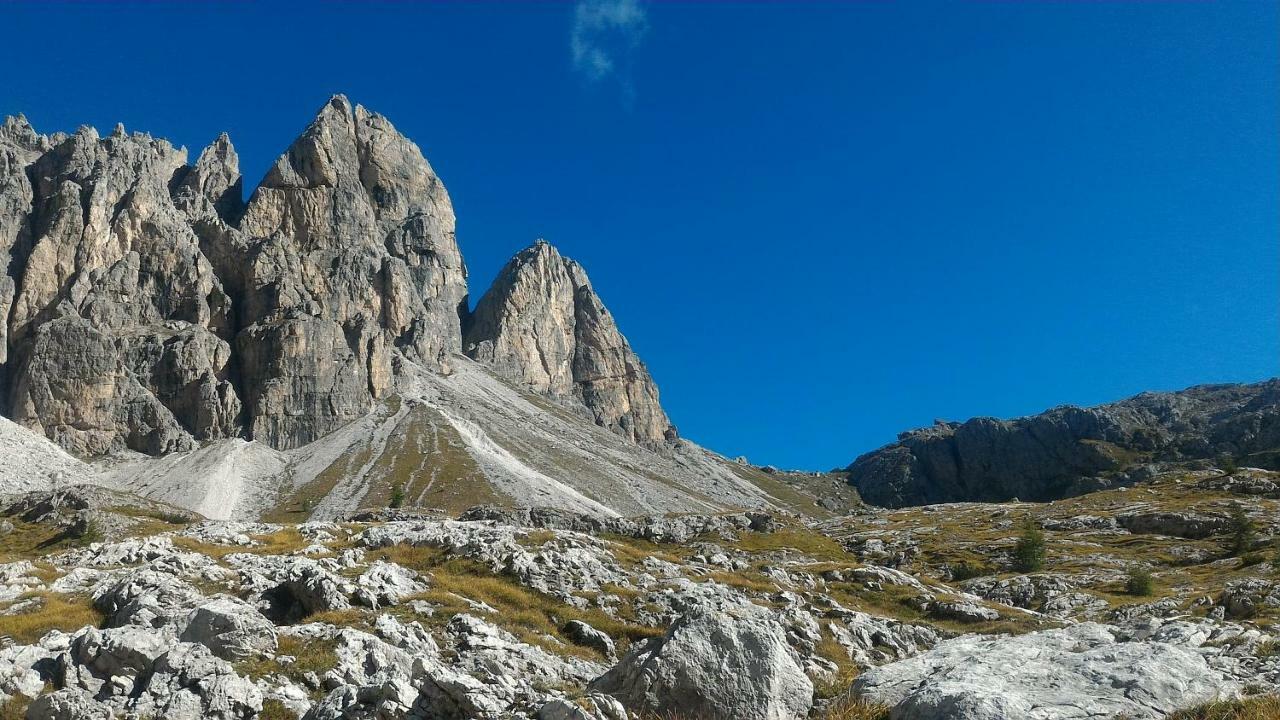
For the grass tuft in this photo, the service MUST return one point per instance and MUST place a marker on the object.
(1266, 707)
(52, 612)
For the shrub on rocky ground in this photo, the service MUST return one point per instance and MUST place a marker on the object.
(1243, 531)
(1028, 553)
(1140, 582)
(965, 570)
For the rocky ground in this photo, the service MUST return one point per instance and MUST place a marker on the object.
(111, 606)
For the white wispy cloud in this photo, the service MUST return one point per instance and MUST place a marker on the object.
(604, 34)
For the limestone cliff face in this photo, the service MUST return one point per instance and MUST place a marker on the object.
(147, 306)
(543, 326)
(117, 331)
(345, 254)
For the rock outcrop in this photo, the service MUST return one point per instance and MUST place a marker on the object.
(1084, 671)
(542, 325)
(719, 664)
(1069, 450)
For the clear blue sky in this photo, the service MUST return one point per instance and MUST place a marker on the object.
(818, 224)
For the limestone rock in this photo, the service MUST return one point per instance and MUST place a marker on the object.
(1194, 526)
(1083, 671)
(230, 628)
(715, 664)
(20, 145)
(136, 287)
(583, 634)
(68, 704)
(541, 325)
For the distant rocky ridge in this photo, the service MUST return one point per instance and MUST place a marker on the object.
(147, 307)
(1071, 450)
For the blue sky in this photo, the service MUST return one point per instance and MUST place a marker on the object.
(819, 224)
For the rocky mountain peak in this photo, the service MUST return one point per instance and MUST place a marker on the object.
(148, 306)
(213, 184)
(542, 325)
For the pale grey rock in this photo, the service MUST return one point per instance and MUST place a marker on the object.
(117, 332)
(1083, 671)
(290, 588)
(962, 611)
(145, 598)
(68, 704)
(716, 664)
(213, 186)
(386, 584)
(20, 669)
(1029, 592)
(231, 629)
(1079, 522)
(574, 563)
(135, 286)
(869, 640)
(191, 684)
(107, 656)
(591, 707)
(488, 652)
(1244, 598)
(542, 326)
(1246, 481)
(20, 145)
(583, 634)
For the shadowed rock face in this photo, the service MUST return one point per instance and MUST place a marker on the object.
(147, 306)
(1063, 451)
(543, 326)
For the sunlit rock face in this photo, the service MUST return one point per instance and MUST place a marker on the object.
(542, 325)
(148, 307)
(345, 254)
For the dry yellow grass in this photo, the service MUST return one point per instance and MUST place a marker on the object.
(1266, 707)
(310, 655)
(836, 685)
(54, 612)
(281, 542)
(792, 540)
(852, 709)
(15, 708)
(273, 709)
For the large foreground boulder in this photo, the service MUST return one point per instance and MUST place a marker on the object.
(731, 664)
(1078, 672)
